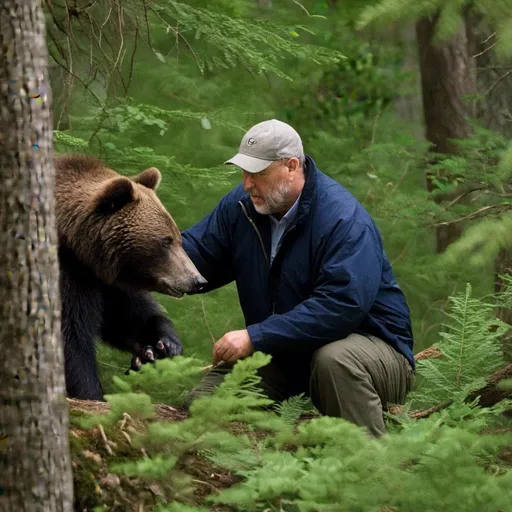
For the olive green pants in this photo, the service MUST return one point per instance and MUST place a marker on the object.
(354, 378)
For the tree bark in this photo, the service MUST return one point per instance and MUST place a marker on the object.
(35, 472)
(493, 108)
(444, 82)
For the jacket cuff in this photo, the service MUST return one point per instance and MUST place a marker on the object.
(257, 339)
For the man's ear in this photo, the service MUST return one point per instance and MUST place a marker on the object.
(293, 164)
(150, 178)
(116, 194)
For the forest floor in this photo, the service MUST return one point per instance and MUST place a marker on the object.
(94, 450)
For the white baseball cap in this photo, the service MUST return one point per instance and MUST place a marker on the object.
(265, 143)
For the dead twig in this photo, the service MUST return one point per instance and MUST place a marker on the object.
(206, 483)
(498, 81)
(485, 50)
(106, 442)
(478, 213)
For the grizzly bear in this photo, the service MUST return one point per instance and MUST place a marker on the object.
(116, 244)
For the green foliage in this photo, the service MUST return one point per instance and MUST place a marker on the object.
(441, 463)
(207, 72)
(470, 353)
(480, 244)
(75, 144)
(497, 14)
(230, 42)
(167, 380)
(335, 467)
(137, 405)
(241, 383)
(156, 468)
(291, 409)
(450, 460)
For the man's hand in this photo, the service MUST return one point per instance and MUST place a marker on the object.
(232, 346)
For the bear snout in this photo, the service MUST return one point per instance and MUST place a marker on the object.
(200, 283)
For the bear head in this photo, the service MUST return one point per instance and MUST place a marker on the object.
(119, 228)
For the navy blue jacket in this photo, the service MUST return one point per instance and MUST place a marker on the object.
(330, 277)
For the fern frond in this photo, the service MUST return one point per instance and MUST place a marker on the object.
(471, 352)
(291, 409)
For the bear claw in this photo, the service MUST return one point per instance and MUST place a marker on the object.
(148, 354)
(136, 363)
(165, 347)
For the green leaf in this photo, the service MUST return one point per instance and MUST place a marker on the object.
(160, 57)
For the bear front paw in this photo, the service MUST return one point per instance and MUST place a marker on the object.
(168, 347)
(165, 347)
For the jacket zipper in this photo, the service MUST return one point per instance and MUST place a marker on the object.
(253, 224)
(257, 232)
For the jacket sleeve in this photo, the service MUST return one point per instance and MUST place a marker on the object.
(208, 245)
(344, 292)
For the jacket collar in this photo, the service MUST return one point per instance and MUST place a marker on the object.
(306, 198)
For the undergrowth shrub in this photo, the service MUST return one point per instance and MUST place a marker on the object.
(451, 460)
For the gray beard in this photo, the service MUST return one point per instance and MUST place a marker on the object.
(275, 201)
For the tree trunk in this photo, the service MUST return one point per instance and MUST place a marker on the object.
(35, 474)
(445, 81)
(493, 109)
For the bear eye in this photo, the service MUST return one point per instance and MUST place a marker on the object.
(167, 242)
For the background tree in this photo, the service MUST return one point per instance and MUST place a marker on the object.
(36, 468)
(463, 53)
(492, 76)
(445, 83)
(176, 85)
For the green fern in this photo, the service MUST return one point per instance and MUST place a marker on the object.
(168, 380)
(470, 353)
(291, 409)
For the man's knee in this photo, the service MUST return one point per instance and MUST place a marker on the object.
(336, 356)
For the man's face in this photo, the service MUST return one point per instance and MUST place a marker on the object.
(271, 188)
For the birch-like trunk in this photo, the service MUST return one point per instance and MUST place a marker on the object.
(35, 465)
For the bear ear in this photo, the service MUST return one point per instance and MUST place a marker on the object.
(116, 194)
(150, 178)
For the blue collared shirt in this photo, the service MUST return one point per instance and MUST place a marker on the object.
(279, 226)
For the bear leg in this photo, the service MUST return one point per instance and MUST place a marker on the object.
(82, 311)
(135, 322)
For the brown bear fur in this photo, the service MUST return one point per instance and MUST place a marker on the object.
(117, 243)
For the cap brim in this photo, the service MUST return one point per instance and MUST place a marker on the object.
(249, 163)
